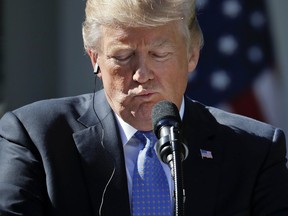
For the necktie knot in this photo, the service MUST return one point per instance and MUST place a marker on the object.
(146, 138)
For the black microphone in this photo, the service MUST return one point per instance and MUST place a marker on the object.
(170, 147)
(167, 125)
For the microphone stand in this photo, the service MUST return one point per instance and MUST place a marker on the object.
(177, 172)
(170, 150)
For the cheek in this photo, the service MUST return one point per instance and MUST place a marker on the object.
(174, 80)
(174, 73)
(116, 82)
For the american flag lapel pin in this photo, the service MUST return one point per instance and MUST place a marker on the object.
(206, 154)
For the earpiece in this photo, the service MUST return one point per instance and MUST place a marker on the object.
(96, 69)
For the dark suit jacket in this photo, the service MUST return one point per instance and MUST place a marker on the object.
(53, 163)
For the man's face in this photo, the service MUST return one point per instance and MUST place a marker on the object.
(141, 66)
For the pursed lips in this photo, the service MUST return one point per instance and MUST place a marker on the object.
(140, 91)
(143, 94)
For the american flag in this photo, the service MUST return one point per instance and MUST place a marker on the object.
(236, 63)
(206, 154)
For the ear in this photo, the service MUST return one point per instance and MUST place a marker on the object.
(94, 58)
(193, 58)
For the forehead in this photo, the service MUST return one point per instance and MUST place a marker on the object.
(166, 35)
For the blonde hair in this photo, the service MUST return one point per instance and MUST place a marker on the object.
(139, 13)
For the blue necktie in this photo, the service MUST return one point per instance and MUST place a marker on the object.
(150, 190)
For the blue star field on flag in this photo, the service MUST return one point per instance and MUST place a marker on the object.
(236, 50)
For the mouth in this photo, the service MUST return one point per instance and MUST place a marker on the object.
(140, 91)
(143, 94)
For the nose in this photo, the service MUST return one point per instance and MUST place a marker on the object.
(142, 73)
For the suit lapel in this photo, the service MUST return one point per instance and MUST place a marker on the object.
(201, 174)
(103, 163)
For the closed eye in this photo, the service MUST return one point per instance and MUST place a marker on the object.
(161, 56)
(123, 58)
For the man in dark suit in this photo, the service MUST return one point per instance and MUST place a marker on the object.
(73, 156)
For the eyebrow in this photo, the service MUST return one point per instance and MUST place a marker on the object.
(162, 43)
(158, 43)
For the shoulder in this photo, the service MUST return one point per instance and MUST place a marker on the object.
(234, 123)
(39, 117)
(65, 105)
(246, 125)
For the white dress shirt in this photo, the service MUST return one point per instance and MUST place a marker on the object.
(131, 152)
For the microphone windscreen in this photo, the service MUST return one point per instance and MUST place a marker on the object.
(165, 113)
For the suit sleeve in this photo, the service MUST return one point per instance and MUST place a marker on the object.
(22, 179)
(271, 193)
